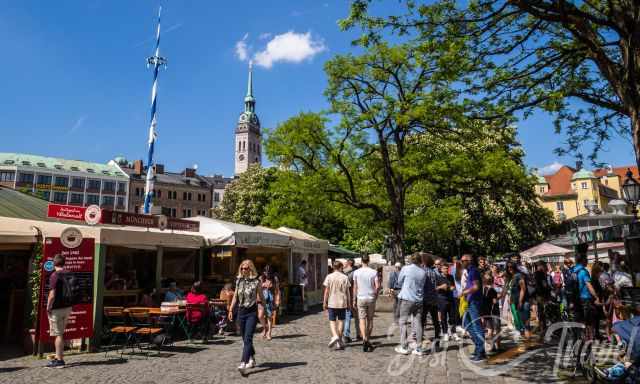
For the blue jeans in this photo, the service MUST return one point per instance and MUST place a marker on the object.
(247, 318)
(347, 324)
(471, 322)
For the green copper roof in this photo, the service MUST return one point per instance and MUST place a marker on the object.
(583, 174)
(53, 163)
(541, 180)
(20, 205)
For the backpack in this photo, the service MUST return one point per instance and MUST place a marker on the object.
(71, 291)
(572, 286)
(531, 284)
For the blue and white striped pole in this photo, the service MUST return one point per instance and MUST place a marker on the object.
(156, 60)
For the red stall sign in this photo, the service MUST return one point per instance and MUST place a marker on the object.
(78, 253)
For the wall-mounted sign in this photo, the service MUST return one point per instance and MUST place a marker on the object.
(79, 262)
(71, 237)
(95, 215)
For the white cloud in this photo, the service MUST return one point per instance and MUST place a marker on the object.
(264, 36)
(289, 47)
(550, 169)
(78, 124)
(242, 50)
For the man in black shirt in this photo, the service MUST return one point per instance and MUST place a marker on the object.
(57, 310)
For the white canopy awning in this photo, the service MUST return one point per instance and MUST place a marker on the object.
(304, 240)
(14, 230)
(544, 251)
(220, 232)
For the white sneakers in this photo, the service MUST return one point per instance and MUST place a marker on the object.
(242, 367)
(251, 363)
(445, 337)
(401, 350)
(333, 341)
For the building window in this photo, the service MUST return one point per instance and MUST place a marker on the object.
(583, 185)
(137, 191)
(121, 188)
(216, 197)
(108, 201)
(120, 202)
(44, 179)
(159, 193)
(541, 189)
(135, 209)
(93, 199)
(77, 183)
(60, 197)
(7, 176)
(25, 178)
(76, 198)
(62, 181)
(109, 186)
(173, 212)
(188, 212)
(94, 185)
(184, 195)
(189, 196)
(175, 195)
(559, 205)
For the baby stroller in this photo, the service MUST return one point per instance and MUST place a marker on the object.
(621, 373)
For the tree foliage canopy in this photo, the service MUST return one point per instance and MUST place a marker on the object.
(579, 60)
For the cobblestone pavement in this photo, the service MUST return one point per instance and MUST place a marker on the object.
(297, 354)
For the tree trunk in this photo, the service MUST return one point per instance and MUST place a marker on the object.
(635, 134)
(397, 241)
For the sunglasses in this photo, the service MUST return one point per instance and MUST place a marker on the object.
(244, 269)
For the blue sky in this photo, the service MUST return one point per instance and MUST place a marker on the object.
(75, 84)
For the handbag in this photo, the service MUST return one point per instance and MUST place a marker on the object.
(463, 305)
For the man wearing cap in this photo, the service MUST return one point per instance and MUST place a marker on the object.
(395, 288)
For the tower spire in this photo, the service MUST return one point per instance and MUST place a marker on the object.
(250, 82)
(249, 100)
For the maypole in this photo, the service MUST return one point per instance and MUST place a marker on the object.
(156, 61)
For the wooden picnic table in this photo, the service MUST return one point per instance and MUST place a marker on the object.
(156, 311)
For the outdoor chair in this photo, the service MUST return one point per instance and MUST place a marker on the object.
(145, 329)
(115, 321)
(201, 326)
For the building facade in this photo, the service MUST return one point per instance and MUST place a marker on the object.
(569, 192)
(218, 184)
(62, 181)
(248, 147)
(177, 194)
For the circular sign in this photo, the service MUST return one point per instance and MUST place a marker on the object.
(71, 237)
(162, 222)
(93, 214)
(48, 265)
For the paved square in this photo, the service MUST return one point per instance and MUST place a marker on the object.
(297, 354)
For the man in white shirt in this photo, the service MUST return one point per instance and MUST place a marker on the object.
(336, 300)
(365, 293)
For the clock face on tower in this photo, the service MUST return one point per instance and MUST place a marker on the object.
(241, 157)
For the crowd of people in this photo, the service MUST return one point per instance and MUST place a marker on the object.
(472, 297)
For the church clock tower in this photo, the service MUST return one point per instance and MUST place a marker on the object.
(248, 147)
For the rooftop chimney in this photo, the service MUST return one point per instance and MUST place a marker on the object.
(189, 172)
(138, 167)
(159, 168)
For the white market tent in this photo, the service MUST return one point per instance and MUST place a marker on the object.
(544, 252)
(13, 230)
(219, 232)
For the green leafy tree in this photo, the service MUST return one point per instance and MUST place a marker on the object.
(246, 198)
(579, 60)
